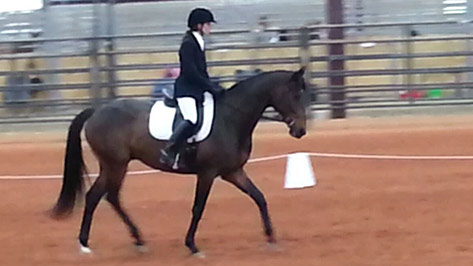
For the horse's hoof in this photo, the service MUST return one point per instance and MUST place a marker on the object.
(272, 246)
(85, 250)
(199, 255)
(141, 248)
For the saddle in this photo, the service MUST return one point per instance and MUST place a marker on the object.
(171, 102)
(165, 116)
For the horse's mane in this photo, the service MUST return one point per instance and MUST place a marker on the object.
(252, 78)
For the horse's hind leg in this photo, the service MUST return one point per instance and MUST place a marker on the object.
(92, 198)
(113, 193)
(241, 180)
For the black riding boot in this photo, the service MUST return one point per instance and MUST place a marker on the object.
(183, 131)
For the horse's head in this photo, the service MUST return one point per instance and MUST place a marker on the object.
(287, 100)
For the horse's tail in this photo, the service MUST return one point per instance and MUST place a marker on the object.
(73, 167)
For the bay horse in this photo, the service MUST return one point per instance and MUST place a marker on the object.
(117, 133)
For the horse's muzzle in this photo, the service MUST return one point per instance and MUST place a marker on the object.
(297, 132)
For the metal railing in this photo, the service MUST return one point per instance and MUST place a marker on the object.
(103, 75)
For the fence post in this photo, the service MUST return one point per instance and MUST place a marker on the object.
(408, 61)
(50, 31)
(110, 48)
(469, 45)
(336, 81)
(304, 55)
(94, 64)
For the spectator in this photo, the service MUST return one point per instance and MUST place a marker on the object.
(34, 78)
(283, 35)
(17, 86)
(315, 33)
(414, 33)
(261, 33)
(171, 73)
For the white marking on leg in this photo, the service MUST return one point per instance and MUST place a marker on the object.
(199, 255)
(274, 247)
(141, 248)
(176, 162)
(85, 250)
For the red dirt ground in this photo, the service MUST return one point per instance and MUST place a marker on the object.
(362, 212)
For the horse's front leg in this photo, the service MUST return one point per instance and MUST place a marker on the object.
(204, 185)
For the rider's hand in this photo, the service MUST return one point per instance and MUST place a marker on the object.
(218, 90)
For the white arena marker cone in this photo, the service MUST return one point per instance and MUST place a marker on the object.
(299, 172)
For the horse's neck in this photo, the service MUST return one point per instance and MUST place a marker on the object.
(244, 105)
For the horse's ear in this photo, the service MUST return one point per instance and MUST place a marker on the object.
(298, 74)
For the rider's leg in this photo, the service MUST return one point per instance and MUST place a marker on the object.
(183, 131)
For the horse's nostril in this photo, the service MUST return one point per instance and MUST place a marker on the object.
(301, 132)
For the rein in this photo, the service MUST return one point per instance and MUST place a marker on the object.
(276, 118)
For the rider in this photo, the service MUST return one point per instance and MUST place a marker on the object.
(192, 82)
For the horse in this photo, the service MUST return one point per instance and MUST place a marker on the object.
(117, 132)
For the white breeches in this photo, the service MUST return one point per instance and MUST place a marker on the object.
(188, 107)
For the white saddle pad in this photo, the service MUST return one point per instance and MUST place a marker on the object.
(161, 119)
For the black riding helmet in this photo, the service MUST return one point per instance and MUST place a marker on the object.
(200, 16)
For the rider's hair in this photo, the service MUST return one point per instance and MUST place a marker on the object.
(194, 27)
